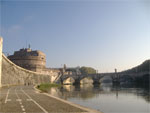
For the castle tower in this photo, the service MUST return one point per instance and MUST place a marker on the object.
(28, 59)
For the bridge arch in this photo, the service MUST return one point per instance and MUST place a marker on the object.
(68, 80)
(86, 79)
(105, 79)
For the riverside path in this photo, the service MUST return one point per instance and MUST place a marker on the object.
(25, 99)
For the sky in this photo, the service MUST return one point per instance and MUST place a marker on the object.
(103, 34)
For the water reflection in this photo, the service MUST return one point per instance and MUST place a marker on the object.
(100, 96)
(86, 91)
(69, 88)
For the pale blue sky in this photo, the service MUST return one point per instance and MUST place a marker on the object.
(104, 34)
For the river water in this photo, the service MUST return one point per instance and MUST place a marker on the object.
(106, 97)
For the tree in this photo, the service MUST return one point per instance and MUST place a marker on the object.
(144, 67)
(87, 70)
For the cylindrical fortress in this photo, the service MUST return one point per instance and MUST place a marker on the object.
(28, 59)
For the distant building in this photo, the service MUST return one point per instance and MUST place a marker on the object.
(28, 59)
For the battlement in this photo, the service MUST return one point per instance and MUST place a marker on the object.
(28, 59)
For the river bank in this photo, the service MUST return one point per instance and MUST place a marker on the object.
(77, 106)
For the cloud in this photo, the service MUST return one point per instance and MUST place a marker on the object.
(28, 18)
(16, 29)
(12, 31)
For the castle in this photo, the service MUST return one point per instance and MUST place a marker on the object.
(28, 59)
(32, 60)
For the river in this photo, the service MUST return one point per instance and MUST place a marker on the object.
(106, 97)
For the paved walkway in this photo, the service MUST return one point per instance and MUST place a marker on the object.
(24, 99)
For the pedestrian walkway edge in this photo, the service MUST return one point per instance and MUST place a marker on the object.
(89, 110)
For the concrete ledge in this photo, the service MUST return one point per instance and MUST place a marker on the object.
(89, 110)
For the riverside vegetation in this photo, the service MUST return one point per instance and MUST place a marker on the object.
(46, 87)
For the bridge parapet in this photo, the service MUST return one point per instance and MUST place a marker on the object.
(96, 77)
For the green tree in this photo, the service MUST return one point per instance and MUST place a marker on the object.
(87, 70)
(145, 66)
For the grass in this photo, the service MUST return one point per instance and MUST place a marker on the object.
(46, 87)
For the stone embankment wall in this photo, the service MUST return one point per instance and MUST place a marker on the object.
(1, 46)
(15, 75)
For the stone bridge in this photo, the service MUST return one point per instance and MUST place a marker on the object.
(97, 78)
(78, 79)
